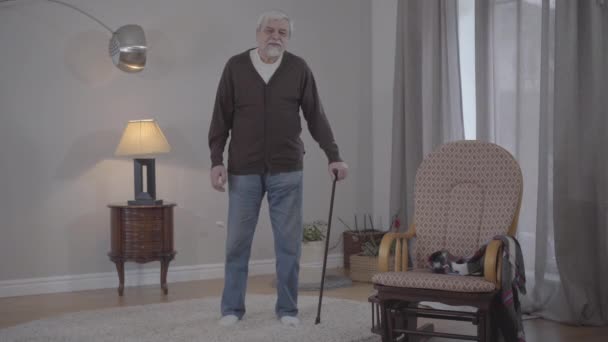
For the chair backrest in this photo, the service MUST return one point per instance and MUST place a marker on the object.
(466, 192)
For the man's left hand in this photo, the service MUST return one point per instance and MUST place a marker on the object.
(340, 167)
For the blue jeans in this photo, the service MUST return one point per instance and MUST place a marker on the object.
(284, 193)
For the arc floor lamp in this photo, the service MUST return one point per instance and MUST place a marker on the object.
(127, 45)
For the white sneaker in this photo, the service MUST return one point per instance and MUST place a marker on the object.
(228, 320)
(290, 321)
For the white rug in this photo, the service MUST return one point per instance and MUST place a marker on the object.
(196, 320)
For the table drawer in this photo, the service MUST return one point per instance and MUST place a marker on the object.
(143, 226)
(147, 214)
(143, 236)
(143, 247)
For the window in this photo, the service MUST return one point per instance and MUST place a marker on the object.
(466, 42)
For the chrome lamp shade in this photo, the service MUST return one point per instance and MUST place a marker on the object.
(128, 48)
(127, 45)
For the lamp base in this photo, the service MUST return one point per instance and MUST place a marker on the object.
(145, 202)
(145, 167)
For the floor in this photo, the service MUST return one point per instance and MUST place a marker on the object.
(16, 310)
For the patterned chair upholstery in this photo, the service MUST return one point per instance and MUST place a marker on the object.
(424, 279)
(466, 192)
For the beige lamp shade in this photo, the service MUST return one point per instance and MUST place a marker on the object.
(142, 137)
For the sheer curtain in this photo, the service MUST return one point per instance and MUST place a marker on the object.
(541, 94)
(427, 107)
(510, 39)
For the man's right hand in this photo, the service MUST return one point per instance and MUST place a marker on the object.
(219, 176)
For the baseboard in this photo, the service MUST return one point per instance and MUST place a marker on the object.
(151, 276)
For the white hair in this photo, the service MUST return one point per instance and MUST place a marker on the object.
(274, 15)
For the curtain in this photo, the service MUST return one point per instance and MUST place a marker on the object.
(512, 60)
(427, 93)
(580, 200)
(540, 91)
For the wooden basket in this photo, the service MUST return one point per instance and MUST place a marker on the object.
(363, 267)
(353, 241)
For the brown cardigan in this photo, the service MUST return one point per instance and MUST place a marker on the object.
(263, 120)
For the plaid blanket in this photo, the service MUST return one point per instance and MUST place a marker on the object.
(513, 282)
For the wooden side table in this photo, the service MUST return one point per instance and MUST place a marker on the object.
(142, 233)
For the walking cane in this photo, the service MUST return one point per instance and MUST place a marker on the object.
(331, 209)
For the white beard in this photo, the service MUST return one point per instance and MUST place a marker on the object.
(273, 51)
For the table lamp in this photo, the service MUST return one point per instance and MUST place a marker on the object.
(143, 139)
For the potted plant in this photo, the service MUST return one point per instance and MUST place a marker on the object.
(313, 249)
(355, 238)
(364, 263)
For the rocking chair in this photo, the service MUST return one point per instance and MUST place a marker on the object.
(466, 193)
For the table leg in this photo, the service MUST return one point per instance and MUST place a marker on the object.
(120, 267)
(164, 267)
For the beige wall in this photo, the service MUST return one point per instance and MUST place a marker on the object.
(63, 107)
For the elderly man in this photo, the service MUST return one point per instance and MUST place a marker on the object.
(258, 102)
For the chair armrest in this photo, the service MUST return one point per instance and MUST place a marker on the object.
(492, 264)
(401, 251)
